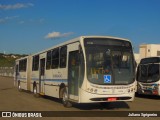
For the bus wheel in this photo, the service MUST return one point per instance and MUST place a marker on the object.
(65, 101)
(19, 86)
(35, 91)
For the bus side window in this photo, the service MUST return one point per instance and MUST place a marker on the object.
(48, 61)
(55, 58)
(63, 56)
(35, 65)
(22, 65)
(17, 70)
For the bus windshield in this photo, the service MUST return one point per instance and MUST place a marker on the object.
(148, 70)
(109, 61)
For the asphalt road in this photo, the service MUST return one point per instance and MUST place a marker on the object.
(13, 100)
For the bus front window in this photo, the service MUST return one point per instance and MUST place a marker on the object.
(98, 65)
(108, 64)
(148, 72)
(122, 67)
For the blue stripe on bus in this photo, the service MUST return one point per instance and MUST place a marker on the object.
(52, 80)
(35, 79)
(22, 78)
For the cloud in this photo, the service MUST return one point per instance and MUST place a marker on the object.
(15, 6)
(57, 35)
(6, 19)
(32, 21)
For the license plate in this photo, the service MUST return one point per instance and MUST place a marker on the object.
(112, 99)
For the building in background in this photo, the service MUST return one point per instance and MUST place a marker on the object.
(147, 50)
(137, 57)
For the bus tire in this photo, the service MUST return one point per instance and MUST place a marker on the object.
(19, 87)
(35, 91)
(65, 101)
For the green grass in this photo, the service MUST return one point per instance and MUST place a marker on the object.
(8, 61)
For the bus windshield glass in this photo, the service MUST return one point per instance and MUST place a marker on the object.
(148, 70)
(150, 60)
(109, 61)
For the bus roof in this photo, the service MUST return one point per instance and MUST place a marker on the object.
(76, 40)
(26, 57)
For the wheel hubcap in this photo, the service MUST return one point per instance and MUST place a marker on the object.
(19, 87)
(35, 91)
(65, 97)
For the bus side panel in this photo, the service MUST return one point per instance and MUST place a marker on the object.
(47, 82)
(54, 78)
(52, 90)
(22, 78)
(50, 86)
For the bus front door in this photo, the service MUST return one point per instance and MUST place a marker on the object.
(73, 75)
(41, 77)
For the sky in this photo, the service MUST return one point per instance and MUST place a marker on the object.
(30, 26)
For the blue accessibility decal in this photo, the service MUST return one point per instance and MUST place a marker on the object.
(107, 78)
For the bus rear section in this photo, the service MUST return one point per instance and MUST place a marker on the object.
(22, 73)
(148, 76)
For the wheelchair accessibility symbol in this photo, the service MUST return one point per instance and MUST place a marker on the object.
(107, 78)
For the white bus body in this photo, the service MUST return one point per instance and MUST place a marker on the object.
(86, 69)
(148, 76)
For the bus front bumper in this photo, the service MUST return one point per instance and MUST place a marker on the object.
(86, 97)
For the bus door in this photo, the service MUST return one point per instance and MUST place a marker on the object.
(73, 75)
(41, 77)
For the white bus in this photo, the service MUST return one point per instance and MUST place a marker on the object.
(148, 76)
(86, 69)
